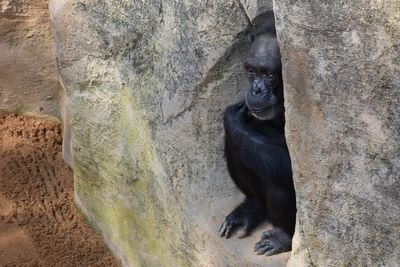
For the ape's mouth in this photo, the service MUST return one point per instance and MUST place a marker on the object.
(260, 103)
(261, 113)
(263, 107)
(260, 110)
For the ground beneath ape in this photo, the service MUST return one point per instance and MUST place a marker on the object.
(39, 224)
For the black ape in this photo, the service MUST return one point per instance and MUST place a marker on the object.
(257, 155)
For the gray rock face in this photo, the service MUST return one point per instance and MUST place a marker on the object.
(146, 84)
(342, 76)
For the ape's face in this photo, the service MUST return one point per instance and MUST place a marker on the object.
(263, 66)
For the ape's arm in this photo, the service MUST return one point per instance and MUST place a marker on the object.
(266, 158)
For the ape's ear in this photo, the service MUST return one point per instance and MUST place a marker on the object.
(251, 37)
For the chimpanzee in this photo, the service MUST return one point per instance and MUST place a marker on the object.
(256, 152)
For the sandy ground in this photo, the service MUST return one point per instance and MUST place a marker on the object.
(39, 224)
(28, 71)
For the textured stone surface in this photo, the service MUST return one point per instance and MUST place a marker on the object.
(342, 75)
(28, 72)
(253, 8)
(146, 84)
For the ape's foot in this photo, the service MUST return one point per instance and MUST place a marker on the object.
(273, 242)
(244, 218)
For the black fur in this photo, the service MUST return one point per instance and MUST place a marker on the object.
(257, 155)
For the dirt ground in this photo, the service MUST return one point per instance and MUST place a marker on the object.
(39, 224)
(28, 71)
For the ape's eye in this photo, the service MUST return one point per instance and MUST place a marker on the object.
(270, 75)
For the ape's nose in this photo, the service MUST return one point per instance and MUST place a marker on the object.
(259, 86)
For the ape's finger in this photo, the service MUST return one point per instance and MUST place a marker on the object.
(222, 229)
(228, 231)
(244, 231)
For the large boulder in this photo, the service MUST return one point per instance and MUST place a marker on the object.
(342, 75)
(28, 71)
(146, 84)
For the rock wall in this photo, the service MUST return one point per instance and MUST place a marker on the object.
(28, 71)
(146, 84)
(342, 75)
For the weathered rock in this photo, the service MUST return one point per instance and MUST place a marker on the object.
(146, 84)
(28, 72)
(253, 8)
(342, 75)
